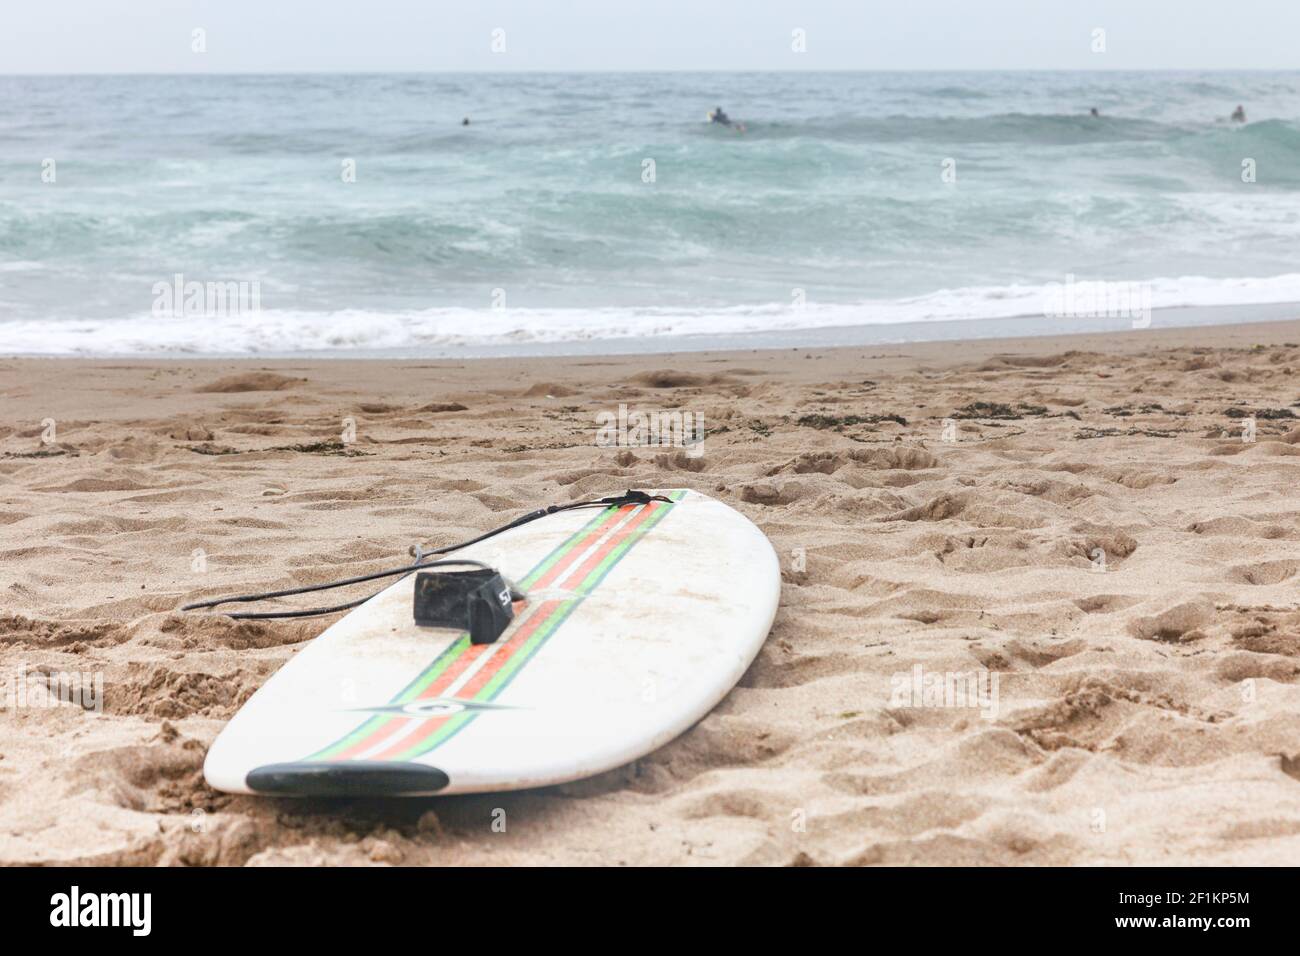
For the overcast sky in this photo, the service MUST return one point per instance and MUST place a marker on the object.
(152, 36)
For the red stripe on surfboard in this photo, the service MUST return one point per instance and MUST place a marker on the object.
(477, 682)
(489, 670)
(383, 732)
(559, 567)
(508, 650)
(609, 545)
(472, 653)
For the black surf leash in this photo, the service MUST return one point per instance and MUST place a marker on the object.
(479, 600)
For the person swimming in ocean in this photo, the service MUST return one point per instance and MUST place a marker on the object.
(718, 115)
(1095, 111)
(1239, 115)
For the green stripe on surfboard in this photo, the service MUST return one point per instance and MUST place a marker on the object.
(530, 647)
(549, 561)
(458, 647)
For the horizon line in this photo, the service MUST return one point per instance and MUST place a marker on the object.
(621, 72)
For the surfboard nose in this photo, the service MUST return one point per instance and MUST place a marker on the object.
(346, 778)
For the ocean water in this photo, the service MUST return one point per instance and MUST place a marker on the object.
(602, 208)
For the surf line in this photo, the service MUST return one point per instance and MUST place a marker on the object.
(481, 672)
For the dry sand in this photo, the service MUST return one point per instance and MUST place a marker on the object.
(1147, 713)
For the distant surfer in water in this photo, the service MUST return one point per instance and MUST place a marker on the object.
(1095, 112)
(717, 115)
(1239, 115)
(465, 121)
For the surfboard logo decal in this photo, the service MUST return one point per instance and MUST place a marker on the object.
(434, 707)
(473, 675)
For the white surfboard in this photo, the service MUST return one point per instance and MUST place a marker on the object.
(638, 620)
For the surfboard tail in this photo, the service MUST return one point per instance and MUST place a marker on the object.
(348, 778)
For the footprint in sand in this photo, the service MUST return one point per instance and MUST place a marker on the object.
(1181, 623)
(251, 382)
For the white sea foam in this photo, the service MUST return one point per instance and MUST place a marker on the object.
(289, 332)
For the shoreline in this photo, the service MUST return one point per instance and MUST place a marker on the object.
(1231, 334)
(950, 331)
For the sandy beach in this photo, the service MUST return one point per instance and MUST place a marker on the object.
(1089, 519)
